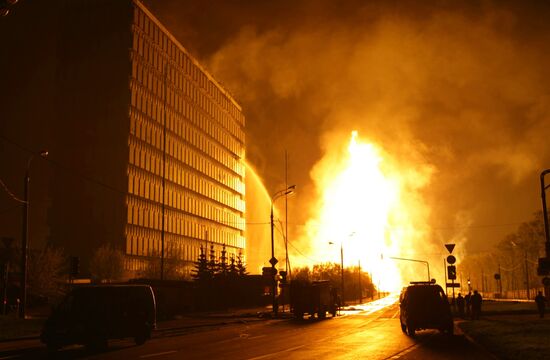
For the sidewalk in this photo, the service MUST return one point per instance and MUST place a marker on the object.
(510, 330)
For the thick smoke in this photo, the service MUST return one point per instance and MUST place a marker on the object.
(459, 92)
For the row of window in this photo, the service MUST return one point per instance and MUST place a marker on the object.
(177, 173)
(172, 91)
(149, 216)
(161, 44)
(153, 133)
(150, 188)
(148, 242)
(220, 127)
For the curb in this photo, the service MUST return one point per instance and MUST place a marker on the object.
(473, 341)
(21, 338)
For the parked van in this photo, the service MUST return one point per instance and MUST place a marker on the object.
(91, 315)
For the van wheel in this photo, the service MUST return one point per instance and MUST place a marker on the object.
(141, 338)
(403, 328)
(410, 330)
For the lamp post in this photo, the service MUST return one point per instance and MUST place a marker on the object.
(273, 261)
(414, 260)
(25, 236)
(341, 268)
(545, 211)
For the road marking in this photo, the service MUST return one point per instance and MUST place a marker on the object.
(404, 352)
(277, 353)
(256, 337)
(157, 354)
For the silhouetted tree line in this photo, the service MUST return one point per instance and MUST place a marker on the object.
(47, 274)
(208, 268)
(332, 272)
(223, 282)
(517, 257)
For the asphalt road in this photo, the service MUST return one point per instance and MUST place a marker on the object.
(370, 332)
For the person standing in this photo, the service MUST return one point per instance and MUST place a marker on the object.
(475, 301)
(540, 300)
(467, 301)
(460, 305)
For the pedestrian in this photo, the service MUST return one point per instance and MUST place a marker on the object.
(460, 304)
(467, 301)
(540, 300)
(475, 302)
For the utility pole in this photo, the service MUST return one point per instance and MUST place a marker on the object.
(162, 235)
(499, 281)
(526, 274)
(342, 271)
(360, 287)
(545, 211)
(273, 261)
(25, 236)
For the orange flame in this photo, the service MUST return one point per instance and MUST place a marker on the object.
(364, 209)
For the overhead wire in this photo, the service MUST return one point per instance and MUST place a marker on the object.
(11, 194)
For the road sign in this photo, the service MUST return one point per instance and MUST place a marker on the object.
(273, 261)
(450, 247)
(546, 281)
(451, 259)
(497, 276)
(453, 285)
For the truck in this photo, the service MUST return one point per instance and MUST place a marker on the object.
(312, 298)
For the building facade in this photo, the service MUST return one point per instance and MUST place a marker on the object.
(187, 132)
(146, 148)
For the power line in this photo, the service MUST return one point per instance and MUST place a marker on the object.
(12, 195)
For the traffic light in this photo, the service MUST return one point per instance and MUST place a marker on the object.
(451, 272)
(283, 276)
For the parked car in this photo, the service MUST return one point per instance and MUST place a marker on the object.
(424, 305)
(91, 315)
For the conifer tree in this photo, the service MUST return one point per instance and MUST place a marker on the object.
(212, 263)
(233, 272)
(201, 272)
(241, 268)
(223, 263)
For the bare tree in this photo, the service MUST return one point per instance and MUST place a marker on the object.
(107, 264)
(46, 273)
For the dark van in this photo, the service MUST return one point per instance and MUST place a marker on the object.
(424, 305)
(91, 315)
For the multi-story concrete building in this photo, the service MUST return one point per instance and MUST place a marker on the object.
(184, 125)
(146, 148)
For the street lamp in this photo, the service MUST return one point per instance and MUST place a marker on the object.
(341, 268)
(273, 261)
(414, 260)
(545, 211)
(342, 265)
(25, 236)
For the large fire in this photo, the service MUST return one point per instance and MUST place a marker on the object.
(366, 210)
